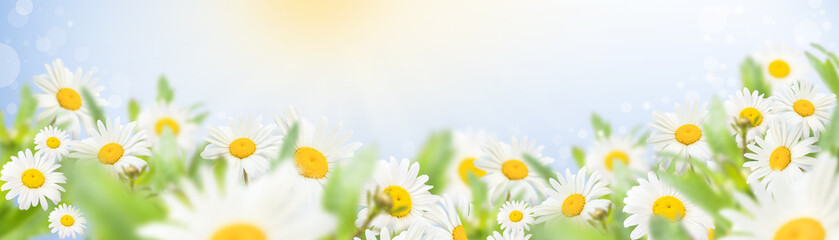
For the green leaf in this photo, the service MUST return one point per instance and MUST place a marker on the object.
(752, 76)
(133, 110)
(289, 144)
(543, 170)
(434, 157)
(567, 230)
(479, 189)
(164, 90)
(826, 70)
(829, 54)
(829, 140)
(579, 156)
(661, 228)
(26, 110)
(343, 190)
(198, 119)
(719, 137)
(600, 126)
(95, 110)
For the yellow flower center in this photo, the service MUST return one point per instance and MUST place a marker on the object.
(69, 99)
(779, 68)
(710, 234)
(801, 229)
(514, 169)
(573, 205)
(803, 107)
(53, 142)
(164, 123)
(32, 178)
(780, 158)
(615, 155)
(401, 200)
(466, 166)
(669, 207)
(688, 134)
(67, 220)
(242, 148)
(239, 231)
(310, 163)
(458, 233)
(516, 216)
(754, 116)
(110, 153)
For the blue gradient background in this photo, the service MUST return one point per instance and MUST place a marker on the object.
(393, 71)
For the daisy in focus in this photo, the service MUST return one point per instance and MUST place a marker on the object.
(781, 66)
(409, 196)
(653, 198)
(801, 104)
(574, 197)
(515, 216)
(246, 144)
(679, 134)
(229, 210)
(67, 221)
(160, 116)
(32, 179)
(780, 156)
(115, 146)
(53, 143)
(62, 99)
(509, 235)
(444, 216)
(507, 171)
(606, 152)
(752, 106)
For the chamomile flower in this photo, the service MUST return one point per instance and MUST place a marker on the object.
(573, 197)
(467, 146)
(507, 171)
(509, 235)
(781, 66)
(447, 222)
(114, 146)
(606, 152)
(752, 106)
(67, 221)
(408, 193)
(246, 144)
(679, 134)
(32, 179)
(318, 149)
(229, 210)
(62, 98)
(160, 116)
(801, 104)
(53, 143)
(805, 209)
(780, 156)
(515, 216)
(653, 198)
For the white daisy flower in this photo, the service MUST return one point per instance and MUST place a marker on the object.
(410, 197)
(515, 216)
(680, 134)
(67, 221)
(53, 143)
(802, 210)
(507, 171)
(32, 179)
(801, 104)
(263, 210)
(62, 99)
(467, 149)
(446, 220)
(317, 150)
(509, 235)
(246, 144)
(115, 146)
(752, 106)
(606, 152)
(160, 116)
(573, 197)
(780, 156)
(781, 66)
(653, 198)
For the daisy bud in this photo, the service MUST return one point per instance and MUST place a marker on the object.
(599, 215)
(743, 122)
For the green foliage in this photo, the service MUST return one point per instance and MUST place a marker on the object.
(827, 69)
(166, 165)
(289, 144)
(579, 156)
(661, 228)
(133, 109)
(716, 130)
(543, 170)
(434, 157)
(165, 92)
(343, 189)
(96, 112)
(567, 230)
(752, 75)
(600, 126)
